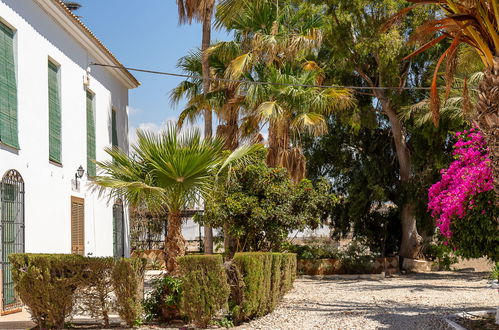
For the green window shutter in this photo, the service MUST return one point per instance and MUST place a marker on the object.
(114, 129)
(8, 89)
(91, 168)
(54, 114)
(118, 230)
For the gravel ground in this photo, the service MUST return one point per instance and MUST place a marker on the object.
(416, 301)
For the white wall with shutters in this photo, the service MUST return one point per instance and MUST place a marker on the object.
(48, 186)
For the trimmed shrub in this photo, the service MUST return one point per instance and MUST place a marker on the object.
(267, 277)
(205, 290)
(94, 292)
(47, 284)
(51, 285)
(276, 280)
(128, 283)
(288, 272)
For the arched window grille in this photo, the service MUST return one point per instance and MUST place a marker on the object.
(12, 229)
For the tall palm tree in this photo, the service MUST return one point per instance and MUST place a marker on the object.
(475, 23)
(291, 111)
(202, 11)
(169, 172)
(278, 41)
(222, 98)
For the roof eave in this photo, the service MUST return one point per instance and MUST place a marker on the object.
(87, 39)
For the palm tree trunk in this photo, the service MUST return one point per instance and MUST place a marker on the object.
(487, 117)
(208, 116)
(174, 242)
(205, 63)
(410, 245)
(278, 143)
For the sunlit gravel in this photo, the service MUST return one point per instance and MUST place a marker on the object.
(417, 301)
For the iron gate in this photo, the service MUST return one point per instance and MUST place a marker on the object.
(12, 229)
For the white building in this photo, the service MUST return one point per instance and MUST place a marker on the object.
(55, 116)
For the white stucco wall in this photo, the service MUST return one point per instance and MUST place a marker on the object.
(48, 187)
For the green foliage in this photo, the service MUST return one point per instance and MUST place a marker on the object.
(205, 290)
(356, 259)
(169, 171)
(468, 233)
(164, 300)
(224, 323)
(267, 277)
(360, 163)
(367, 180)
(128, 282)
(52, 285)
(260, 206)
(494, 274)
(442, 255)
(316, 251)
(47, 285)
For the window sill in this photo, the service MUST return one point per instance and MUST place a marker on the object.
(8, 147)
(53, 162)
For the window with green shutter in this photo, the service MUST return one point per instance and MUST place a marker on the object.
(8, 89)
(91, 168)
(54, 113)
(114, 129)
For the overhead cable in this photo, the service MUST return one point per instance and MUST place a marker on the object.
(180, 75)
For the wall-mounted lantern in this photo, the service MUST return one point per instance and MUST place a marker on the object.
(78, 175)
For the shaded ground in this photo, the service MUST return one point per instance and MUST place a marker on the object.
(415, 301)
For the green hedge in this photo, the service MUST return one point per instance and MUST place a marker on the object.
(51, 285)
(205, 290)
(266, 277)
(262, 279)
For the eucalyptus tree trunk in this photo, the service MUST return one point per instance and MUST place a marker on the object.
(411, 243)
(174, 242)
(487, 117)
(208, 115)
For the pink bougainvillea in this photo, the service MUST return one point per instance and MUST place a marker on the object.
(467, 176)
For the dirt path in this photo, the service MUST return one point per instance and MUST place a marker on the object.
(404, 302)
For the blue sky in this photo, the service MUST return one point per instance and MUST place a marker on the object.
(145, 34)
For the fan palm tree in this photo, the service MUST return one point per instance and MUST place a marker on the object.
(474, 23)
(222, 99)
(169, 172)
(201, 11)
(277, 44)
(291, 111)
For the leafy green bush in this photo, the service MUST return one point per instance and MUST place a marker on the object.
(51, 285)
(267, 277)
(494, 274)
(260, 206)
(128, 283)
(442, 255)
(316, 251)
(356, 258)
(205, 290)
(164, 300)
(47, 285)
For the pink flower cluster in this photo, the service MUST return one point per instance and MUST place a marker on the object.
(468, 175)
